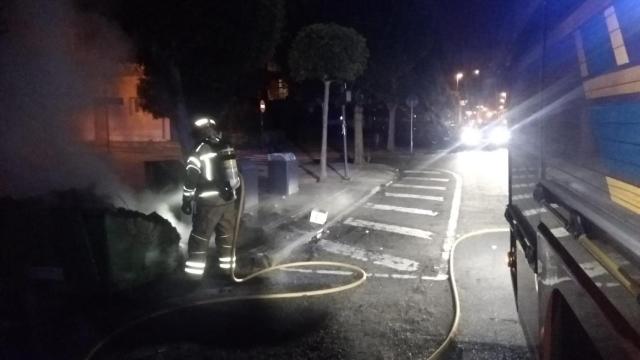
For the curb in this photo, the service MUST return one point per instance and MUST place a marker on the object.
(279, 255)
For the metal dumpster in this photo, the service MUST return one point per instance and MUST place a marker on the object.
(283, 173)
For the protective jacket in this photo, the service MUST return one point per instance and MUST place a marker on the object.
(211, 174)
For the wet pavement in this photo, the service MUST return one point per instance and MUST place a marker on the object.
(401, 236)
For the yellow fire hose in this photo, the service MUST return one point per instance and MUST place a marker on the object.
(284, 295)
(453, 330)
(288, 295)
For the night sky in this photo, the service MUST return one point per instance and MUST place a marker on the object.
(476, 32)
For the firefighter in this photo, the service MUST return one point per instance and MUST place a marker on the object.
(211, 182)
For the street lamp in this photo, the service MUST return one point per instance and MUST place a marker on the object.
(459, 77)
(476, 72)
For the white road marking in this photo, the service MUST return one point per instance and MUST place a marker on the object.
(439, 277)
(532, 212)
(389, 228)
(414, 196)
(518, 186)
(393, 262)
(524, 176)
(430, 172)
(400, 209)
(422, 187)
(334, 272)
(425, 178)
(379, 275)
(403, 276)
(452, 225)
(522, 197)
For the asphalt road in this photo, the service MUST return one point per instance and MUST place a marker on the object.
(402, 236)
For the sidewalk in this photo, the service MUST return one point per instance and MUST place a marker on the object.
(281, 223)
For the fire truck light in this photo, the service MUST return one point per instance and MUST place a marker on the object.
(470, 136)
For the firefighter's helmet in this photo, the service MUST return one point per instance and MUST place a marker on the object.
(206, 128)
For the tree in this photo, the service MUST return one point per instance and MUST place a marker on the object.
(358, 131)
(402, 39)
(200, 56)
(327, 52)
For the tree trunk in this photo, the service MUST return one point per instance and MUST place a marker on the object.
(325, 121)
(358, 151)
(391, 135)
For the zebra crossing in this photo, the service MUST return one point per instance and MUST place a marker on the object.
(407, 228)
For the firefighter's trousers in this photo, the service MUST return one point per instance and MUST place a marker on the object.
(207, 221)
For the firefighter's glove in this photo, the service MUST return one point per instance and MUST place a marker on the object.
(186, 206)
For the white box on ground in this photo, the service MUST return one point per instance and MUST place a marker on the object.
(318, 216)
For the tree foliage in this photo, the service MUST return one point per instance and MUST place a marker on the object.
(199, 56)
(328, 52)
(402, 43)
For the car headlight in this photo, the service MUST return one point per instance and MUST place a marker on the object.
(470, 136)
(500, 135)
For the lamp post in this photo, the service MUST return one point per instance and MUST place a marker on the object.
(412, 101)
(263, 108)
(459, 77)
(347, 99)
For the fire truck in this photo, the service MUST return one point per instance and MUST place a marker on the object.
(574, 178)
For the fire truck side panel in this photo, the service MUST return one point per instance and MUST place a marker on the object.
(574, 175)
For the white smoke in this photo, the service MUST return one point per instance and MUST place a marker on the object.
(53, 62)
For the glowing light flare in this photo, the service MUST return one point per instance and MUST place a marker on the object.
(499, 135)
(194, 160)
(194, 271)
(470, 136)
(203, 122)
(195, 264)
(207, 194)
